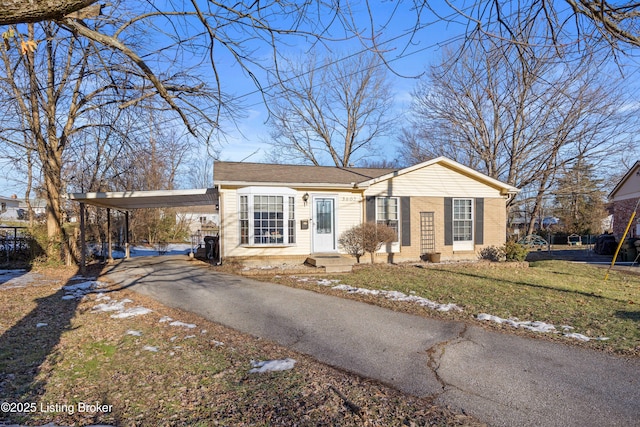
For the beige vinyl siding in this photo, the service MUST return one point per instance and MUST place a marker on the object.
(348, 214)
(630, 189)
(231, 231)
(433, 181)
(349, 211)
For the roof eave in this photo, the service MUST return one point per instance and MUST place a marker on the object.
(505, 188)
(353, 185)
(624, 179)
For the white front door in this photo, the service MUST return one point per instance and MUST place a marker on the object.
(324, 224)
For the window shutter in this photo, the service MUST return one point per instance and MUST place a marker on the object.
(479, 221)
(448, 221)
(370, 214)
(405, 217)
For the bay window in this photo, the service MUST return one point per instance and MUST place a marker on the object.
(267, 216)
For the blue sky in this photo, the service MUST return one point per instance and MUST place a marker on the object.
(407, 53)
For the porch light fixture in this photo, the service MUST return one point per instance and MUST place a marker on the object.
(305, 198)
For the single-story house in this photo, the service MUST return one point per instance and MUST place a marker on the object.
(8, 207)
(200, 219)
(623, 200)
(288, 212)
(15, 209)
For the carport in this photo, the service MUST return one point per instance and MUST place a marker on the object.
(129, 200)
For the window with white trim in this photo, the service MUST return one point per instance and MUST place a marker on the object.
(462, 221)
(267, 216)
(387, 213)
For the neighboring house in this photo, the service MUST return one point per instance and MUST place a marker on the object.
(17, 209)
(203, 219)
(287, 212)
(623, 200)
(9, 207)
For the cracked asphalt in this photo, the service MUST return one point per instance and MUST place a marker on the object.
(501, 379)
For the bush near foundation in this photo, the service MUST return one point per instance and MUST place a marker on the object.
(366, 237)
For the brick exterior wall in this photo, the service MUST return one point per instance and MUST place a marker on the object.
(622, 211)
(494, 229)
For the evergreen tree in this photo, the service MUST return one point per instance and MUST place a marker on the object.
(579, 200)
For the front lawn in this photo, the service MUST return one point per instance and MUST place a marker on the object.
(560, 293)
(78, 356)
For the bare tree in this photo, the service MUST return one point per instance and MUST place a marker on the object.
(200, 170)
(60, 91)
(329, 111)
(614, 22)
(75, 63)
(518, 115)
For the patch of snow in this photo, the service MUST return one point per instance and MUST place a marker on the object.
(10, 279)
(79, 290)
(131, 312)
(584, 338)
(271, 365)
(114, 305)
(217, 343)
(537, 326)
(182, 324)
(399, 296)
(534, 326)
(325, 282)
(578, 337)
(150, 348)
(134, 333)
(121, 311)
(164, 319)
(189, 336)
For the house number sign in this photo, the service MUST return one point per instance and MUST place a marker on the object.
(350, 199)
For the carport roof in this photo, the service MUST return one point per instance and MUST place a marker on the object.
(129, 200)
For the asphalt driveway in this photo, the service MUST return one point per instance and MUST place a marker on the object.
(502, 379)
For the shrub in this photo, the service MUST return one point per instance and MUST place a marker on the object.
(493, 253)
(366, 237)
(351, 242)
(515, 252)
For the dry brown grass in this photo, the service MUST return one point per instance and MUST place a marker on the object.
(196, 377)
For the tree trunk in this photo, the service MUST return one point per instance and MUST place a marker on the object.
(21, 11)
(53, 187)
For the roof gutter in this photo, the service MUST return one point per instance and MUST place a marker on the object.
(350, 186)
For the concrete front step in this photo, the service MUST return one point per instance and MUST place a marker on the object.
(332, 263)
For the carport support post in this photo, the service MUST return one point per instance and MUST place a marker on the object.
(109, 253)
(83, 259)
(126, 235)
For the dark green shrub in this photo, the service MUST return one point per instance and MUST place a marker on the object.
(515, 252)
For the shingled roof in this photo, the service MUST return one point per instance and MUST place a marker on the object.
(236, 172)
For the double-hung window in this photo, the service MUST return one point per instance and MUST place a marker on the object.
(267, 216)
(463, 224)
(387, 213)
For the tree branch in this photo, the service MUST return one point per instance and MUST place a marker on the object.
(21, 11)
(114, 43)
